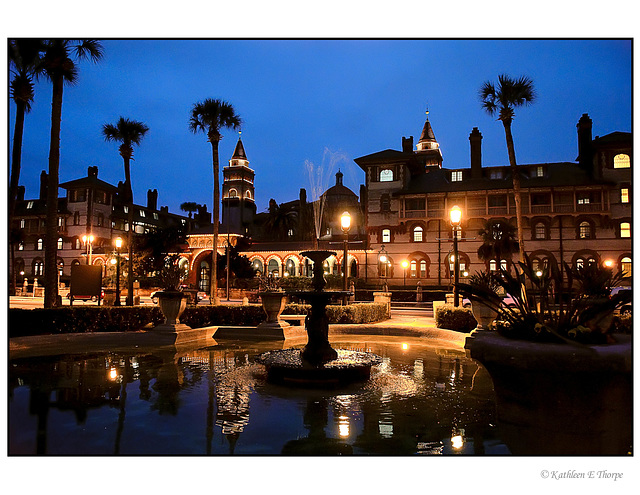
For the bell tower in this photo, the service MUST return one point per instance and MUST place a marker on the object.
(238, 200)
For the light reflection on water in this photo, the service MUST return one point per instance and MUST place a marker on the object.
(420, 400)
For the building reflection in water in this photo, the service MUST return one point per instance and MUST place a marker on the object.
(419, 400)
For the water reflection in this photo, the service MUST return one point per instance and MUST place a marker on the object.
(420, 400)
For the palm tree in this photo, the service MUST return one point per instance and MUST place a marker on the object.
(189, 207)
(498, 241)
(59, 65)
(209, 116)
(127, 133)
(509, 93)
(280, 221)
(24, 58)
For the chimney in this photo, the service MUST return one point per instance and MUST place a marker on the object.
(164, 209)
(20, 194)
(407, 144)
(585, 149)
(475, 140)
(303, 196)
(152, 199)
(43, 185)
(92, 171)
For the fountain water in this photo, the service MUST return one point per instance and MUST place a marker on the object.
(318, 364)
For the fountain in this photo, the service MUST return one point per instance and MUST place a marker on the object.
(318, 364)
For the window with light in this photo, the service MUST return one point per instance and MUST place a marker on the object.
(584, 230)
(39, 244)
(541, 231)
(59, 242)
(456, 176)
(386, 236)
(417, 234)
(413, 269)
(386, 175)
(621, 161)
(625, 229)
(423, 269)
(625, 266)
(624, 195)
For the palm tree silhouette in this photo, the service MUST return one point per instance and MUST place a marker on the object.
(127, 133)
(209, 116)
(498, 241)
(59, 66)
(501, 100)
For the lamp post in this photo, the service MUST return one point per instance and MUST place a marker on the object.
(345, 224)
(118, 243)
(404, 264)
(455, 215)
(88, 241)
(383, 261)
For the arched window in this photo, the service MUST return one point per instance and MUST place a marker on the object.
(258, 266)
(233, 193)
(21, 246)
(621, 161)
(273, 267)
(493, 266)
(59, 242)
(39, 244)
(625, 229)
(413, 269)
(386, 175)
(584, 231)
(625, 266)
(38, 268)
(540, 231)
(290, 268)
(77, 243)
(423, 269)
(247, 194)
(205, 277)
(386, 236)
(417, 234)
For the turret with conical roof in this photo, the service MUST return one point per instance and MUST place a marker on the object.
(238, 199)
(427, 147)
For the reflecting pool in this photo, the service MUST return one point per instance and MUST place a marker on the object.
(422, 399)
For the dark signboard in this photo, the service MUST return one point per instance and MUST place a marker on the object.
(86, 282)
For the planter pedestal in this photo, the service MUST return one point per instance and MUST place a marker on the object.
(559, 399)
(273, 303)
(483, 314)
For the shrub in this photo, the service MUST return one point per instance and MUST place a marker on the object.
(452, 318)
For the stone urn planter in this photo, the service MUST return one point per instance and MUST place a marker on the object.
(559, 399)
(483, 314)
(273, 302)
(172, 303)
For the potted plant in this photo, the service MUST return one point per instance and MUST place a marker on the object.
(562, 377)
(273, 298)
(171, 300)
(482, 291)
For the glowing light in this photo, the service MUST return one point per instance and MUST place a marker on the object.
(405, 346)
(345, 221)
(113, 261)
(608, 263)
(118, 242)
(455, 215)
(405, 264)
(383, 258)
(457, 442)
(343, 426)
(113, 373)
(539, 273)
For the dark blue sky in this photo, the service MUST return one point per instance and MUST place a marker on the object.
(320, 101)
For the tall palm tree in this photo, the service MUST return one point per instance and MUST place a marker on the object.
(502, 100)
(498, 241)
(127, 133)
(59, 65)
(24, 62)
(210, 116)
(189, 207)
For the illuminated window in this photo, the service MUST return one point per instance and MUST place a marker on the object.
(248, 195)
(38, 268)
(29, 205)
(155, 216)
(39, 244)
(77, 243)
(625, 229)
(233, 193)
(621, 161)
(386, 235)
(456, 176)
(126, 209)
(60, 220)
(624, 195)
(21, 246)
(423, 269)
(584, 200)
(386, 175)
(538, 171)
(584, 230)
(22, 223)
(417, 234)
(142, 213)
(541, 231)
(493, 266)
(625, 266)
(59, 242)
(205, 277)
(414, 269)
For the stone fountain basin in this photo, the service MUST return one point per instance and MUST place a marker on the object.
(286, 366)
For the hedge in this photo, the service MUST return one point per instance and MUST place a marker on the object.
(452, 318)
(24, 322)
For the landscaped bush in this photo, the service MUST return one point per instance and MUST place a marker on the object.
(24, 322)
(452, 318)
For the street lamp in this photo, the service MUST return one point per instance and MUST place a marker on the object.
(383, 260)
(88, 241)
(118, 243)
(345, 224)
(455, 215)
(404, 264)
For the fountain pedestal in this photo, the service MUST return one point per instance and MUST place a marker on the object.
(318, 364)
